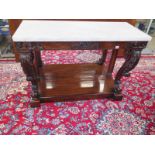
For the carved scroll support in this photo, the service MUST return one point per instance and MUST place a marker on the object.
(29, 68)
(133, 53)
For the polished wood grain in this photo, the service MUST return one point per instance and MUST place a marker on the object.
(74, 81)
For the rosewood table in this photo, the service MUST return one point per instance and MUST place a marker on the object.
(77, 81)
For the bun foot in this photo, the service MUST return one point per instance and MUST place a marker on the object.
(127, 74)
(35, 103)
(117, 92)
(117, 97)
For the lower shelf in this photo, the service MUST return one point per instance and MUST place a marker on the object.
(74, 81)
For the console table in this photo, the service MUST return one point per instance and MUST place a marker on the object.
(76, 81)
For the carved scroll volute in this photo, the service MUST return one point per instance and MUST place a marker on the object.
(27, 60)
(133, 53)
(26, 57)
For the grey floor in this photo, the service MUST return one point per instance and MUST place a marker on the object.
(150, 49)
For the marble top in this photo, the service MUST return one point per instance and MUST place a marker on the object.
(60, 31)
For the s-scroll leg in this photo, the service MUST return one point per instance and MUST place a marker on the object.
(132, 58)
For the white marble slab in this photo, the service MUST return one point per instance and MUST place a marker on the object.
(59, 31)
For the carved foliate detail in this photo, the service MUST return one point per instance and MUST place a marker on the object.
(134, 46)
(85, 46)
(28, 46)
(26, 58)
(27, 62)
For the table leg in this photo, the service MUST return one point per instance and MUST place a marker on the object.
(103, 58)
(37, 51)
(133, 54)
(112, 60)
(37, 61)
(27, 63)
